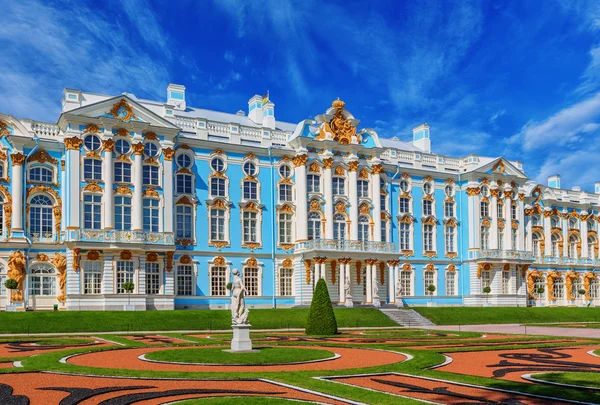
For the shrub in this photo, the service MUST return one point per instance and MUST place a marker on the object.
(128, 286)
(540, 290)
(431, 288)
(228, 286)
(11, 284)
(581, 292)
(487, 290)
(321, 319)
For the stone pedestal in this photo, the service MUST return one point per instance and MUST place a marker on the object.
(241, 338)
(376, 302)
(349, 303)
(399, 302)
(11, 308)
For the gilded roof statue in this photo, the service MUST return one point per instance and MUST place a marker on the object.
(341, 128)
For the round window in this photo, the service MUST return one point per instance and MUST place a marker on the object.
(427, 188)
(184, 160)
(285, 171)
(217, 164)
(404, 186)
(92, 142)
(122, 146)
(449, 190)
(485, 191)
(150, 149)
(249, 168)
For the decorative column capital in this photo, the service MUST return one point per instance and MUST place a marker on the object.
(108, 145)
(353, 166)
(169, 153)
(320, 260)
(138, 148)
(377, 169)
(73, 143)
(328, 163)
(300, 160)
(17, 159)
(473, 191)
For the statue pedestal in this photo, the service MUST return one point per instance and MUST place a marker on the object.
(241, 338)
(376, 302)
(349, 303)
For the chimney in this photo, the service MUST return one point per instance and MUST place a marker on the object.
(269, 115)
(421, 138)
(255, 109)
(554, 181)
(176, 96)
(597, 187)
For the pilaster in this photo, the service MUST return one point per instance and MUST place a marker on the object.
(138, 201)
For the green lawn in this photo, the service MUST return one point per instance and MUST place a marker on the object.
(583, 379)
(265, 355)
(487, 315)
(111, 321)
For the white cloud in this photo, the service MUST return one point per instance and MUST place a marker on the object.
(577, 168)
(147, 23)
(497, 115)
(229, 56)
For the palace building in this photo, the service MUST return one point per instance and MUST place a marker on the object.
(173, 198)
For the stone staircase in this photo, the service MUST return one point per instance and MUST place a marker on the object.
(408, 318)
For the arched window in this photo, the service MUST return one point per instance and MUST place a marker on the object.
(122, 213)
(313, 183)
(576, 286)
(555, 250)
(92, 169)
(363, 228)
(40, 174)
(217, 224)
(285, 227)
(555, 222)
(122, 172)
(185, 279)
(404, 236)
(573, 242)
(485, 209)
(592, 243)
(151, 213)
(92, 211)
(339, 227)
(535, 240)
(485, 237)
(40, 216)
(573, 223)
(362, 188)
(42, 280)
(250, 190)
(184, 220)
(314, 226)
(150, 175)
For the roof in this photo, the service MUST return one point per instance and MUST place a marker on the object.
(244, 120)
(395, 143)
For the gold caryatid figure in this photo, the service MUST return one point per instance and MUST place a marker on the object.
(341, 128)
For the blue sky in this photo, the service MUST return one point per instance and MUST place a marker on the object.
(513, 78)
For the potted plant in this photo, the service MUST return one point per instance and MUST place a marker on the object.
(10, 285)
(129, 287)
(487, 290)
(431, 289)
(538, 301)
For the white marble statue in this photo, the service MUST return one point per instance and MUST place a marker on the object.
(239, 313)
(398, 289)
(347, 286)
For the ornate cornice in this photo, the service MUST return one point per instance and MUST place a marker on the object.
(108, 145)
(17, 159)
(168, 153)
(73, 143)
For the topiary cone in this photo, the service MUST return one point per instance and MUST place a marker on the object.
(321, 319)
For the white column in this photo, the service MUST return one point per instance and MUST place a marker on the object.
(547, 236)
(301, 205)
(316, 272)
(521, 230)
(391, 283)
(328, 198)
(369, 281)
(324, 269)
(138, 200)
(73, 164)
(141, 280)
(584, 237)
(565, 232)
(108, 176)
(474, 213)
(508, 227)
(168, 188)
(18, 159)
(353, 196)
(342, 283)
(376, 194)
(108, 276)
(494, 243)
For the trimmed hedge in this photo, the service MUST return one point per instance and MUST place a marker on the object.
(321, 319)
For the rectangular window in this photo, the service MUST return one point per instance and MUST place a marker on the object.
(485, 237)
(505, 282)
(362, 188)
(285, 192)
(429, 279)
(217, 225)
(485, 279)
(183, 183)
(125, 274)
(514, 238)
(217, 187)
(150, 175)
(338, 184)
(152, 278)
(251, 280)
(449, 239)
(2, 287)
(285, 228)
(184, 280)
(428, 238)
(313, 183)
(485, 209)
(92, 169)
(450, 283)
(285, 282)
(122, 172)
(250, 190)
(382, 202)
(404, 205)
(250, 223)
(184, 220)
(427, 207)
(500, 239)
(151, 215)
(500, 211)
(404, 236)
(449, 209)
(384, 231)
(218, 282)
(513, 211)
(122, 213)
(406, 282)
(92, 211)
(40, 174)
(92, 277)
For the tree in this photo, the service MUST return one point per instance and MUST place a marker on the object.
(431, 289)
(487, 290)
(11, 284)
(321, 319)
(129, 287)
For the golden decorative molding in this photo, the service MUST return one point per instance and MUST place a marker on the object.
(169, 259)
(252, 262)
(286, 246)
(377, 169)
(42, 156)
(451, 268)
(17, 159)
(531, 277)
(123, 190)
(307, 266)
(300, 160)
(93, 255)
(92, 187)
(499, 168)
(430, 254)
(44, 189)
(382, 273)
(287, 262)
(185, 259)
(151, 257)
(552, 275)
(126, 255)
(328, 163)
(122, 132)
(340, 207)
(339, 171)
(16, 271)
(314, 168)
(407, 253)
(150, 192)
(60, 262)
(124, 158)
(184, 200)
(430, 221)
(218, 244)
(150, 136)
(429, 268)
(76, 259)
(251, 245)
(587, 280)
(184, 242)
(315, 205)
(353, 166)
(42, 257)
(3, 129)
(363, 174)
(93, 154)
(124, 105)
(364, 209)
(73, 143)
(570, 276)
(168, 153)
(138, 148)
(473, 191)
(219, 261)
(483, 267)
(451, 255)
(508, 193)
(92, 129)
